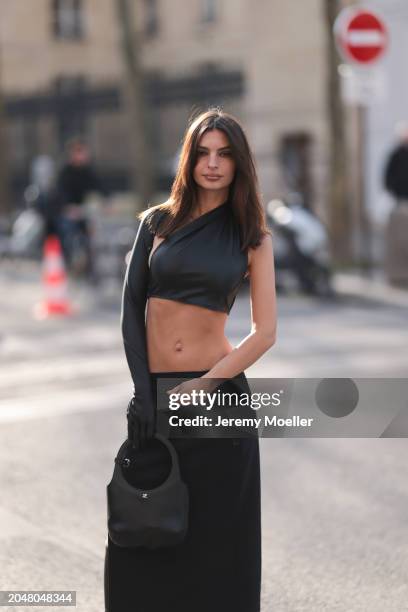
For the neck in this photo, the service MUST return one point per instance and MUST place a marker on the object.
(207, 200)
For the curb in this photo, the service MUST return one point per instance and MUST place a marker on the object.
(372, 289)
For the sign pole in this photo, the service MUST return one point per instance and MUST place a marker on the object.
(361, 36)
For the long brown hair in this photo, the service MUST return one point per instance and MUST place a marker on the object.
(244, 195)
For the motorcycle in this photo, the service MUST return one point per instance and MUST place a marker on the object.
(301, 247)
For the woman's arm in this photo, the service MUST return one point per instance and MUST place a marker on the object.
(133, 326)
(263, 314)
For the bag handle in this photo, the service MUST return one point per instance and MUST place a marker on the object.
(175, 468)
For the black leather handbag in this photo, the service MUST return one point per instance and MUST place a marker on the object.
(152, 518)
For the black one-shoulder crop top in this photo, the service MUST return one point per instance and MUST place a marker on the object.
(200, 263)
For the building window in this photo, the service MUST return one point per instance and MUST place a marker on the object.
(70, 95)
(69, 85)
(151, 21)
(295, 160)
(67, 19)
(208, 11)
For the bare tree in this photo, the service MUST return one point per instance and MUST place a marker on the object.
(142, 170)
(339, 202)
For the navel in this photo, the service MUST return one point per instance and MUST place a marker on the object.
(178, 346)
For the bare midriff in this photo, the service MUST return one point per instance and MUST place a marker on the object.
(184, 337)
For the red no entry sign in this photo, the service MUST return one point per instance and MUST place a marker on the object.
(361, 35)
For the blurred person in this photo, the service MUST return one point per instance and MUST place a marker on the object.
(190, 257)
(396, 182)
(396, 169)
(76, 180)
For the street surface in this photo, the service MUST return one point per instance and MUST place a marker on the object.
(334, 510)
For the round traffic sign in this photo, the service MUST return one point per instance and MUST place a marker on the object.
(361, 35)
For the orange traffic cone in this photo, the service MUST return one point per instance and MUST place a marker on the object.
(54, 281)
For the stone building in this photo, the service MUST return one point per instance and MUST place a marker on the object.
(61, 73)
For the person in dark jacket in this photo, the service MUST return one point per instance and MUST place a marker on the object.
(396, 182)
(396, 170)
(76, 179)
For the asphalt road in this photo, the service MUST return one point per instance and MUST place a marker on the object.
(334, 510)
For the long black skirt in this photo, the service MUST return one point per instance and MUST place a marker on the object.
(217, 568)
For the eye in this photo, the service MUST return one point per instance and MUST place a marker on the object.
(226, 153)
(201, 153)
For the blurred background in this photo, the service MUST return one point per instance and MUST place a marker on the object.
(95, 96)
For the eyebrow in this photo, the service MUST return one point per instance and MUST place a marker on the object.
(206, 148)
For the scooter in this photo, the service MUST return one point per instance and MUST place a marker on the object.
(301, 247)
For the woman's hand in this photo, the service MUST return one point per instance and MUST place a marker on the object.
(141, 425)
(207, 385)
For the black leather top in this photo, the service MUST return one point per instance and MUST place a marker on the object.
(200, 263)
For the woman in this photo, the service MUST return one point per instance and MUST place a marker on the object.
(189, 259)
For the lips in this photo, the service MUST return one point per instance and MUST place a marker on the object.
(212, 176)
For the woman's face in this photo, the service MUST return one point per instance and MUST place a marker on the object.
(214, 159)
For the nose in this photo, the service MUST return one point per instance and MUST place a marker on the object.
(212, 160)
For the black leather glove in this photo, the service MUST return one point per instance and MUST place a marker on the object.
(141, 425)
(142, 407)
